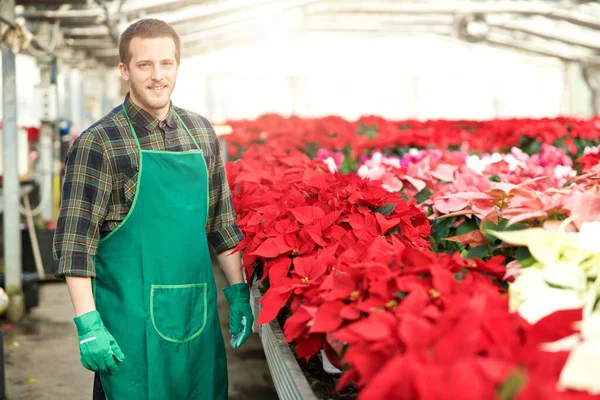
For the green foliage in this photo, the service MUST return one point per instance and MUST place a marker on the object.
(423, 195)
(370, 131)
(385, 209)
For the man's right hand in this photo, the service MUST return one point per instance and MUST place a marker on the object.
(98, 349)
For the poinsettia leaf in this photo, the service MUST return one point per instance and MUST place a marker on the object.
(278, 268)
(443, 280)
(423, 195)
(481, 252)
(512, 385)
(373, 328)
(386, 224)
(522, 254)
(584, 207)
(307, 347)
(348, 165)
(328, 317)
(380, 246)
(330, 219)
(249, 176)
(516, 227)
(296, 325)
(385, 209)
(500, 227)
(490, 226)
(357, 222)
(273, 300)
(312, 178)
(393, 380)
(473, 238)
(467, 226)
(314, 231)
(440, 230)
(271, 247)
(307, 214)
(555, 326)
(416, 331)
(527, 216)
(350, 312)
(417, 183)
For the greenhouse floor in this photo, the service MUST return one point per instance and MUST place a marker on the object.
(42, 356)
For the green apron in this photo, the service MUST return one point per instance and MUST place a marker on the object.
(154, 286)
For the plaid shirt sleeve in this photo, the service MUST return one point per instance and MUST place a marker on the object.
(222, 230)
(84, 203)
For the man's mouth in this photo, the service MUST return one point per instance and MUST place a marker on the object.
(157, 89)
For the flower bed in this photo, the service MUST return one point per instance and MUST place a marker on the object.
(428, 273)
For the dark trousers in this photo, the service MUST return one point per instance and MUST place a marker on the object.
(98, 391)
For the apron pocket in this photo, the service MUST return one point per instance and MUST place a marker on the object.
(178, 312)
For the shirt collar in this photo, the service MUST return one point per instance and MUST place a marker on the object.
(143, 118)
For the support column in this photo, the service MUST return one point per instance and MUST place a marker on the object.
(48, 100)
(10, 179)
(591, 73)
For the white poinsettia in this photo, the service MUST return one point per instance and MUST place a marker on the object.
(582, 369)
(565, 275)
(532, 296)
(587, 237)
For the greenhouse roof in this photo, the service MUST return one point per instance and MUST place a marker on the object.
(81, 31)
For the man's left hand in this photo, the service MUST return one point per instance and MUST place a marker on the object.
(240, 313)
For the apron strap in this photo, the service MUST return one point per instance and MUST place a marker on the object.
(137, 142)
(187, 130)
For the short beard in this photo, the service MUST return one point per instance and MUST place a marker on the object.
(139, 96)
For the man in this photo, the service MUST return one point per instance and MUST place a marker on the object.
(145, 197)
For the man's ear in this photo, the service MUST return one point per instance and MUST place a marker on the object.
(124, 71)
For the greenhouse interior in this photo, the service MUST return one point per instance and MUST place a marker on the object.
(358, 199)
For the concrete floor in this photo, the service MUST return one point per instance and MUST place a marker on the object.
(42, 355)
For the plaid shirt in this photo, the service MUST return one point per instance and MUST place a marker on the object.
(101, 177)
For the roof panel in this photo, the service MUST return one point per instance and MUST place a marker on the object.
(563, 28)
(43, 3)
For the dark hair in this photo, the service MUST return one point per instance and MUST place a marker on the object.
(148, 28)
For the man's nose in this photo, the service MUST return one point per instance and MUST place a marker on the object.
(157, 73)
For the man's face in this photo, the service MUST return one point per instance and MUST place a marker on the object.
(151, 73)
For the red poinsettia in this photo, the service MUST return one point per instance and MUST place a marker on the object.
(349, 262)
(272, 132)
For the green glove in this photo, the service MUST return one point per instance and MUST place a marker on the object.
(240, 313)
(98, 348)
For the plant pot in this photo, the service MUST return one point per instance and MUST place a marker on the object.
(290, 382)
(31, 290)
(45, 239)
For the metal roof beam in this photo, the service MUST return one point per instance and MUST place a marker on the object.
(540, 47)
(107, 52)
(90, 43)
(97, 30)
(546, 10)
(49, 2)
(148, 7)
(63, 14)
(528, 49)
(196, 13)
(542, 35)
(195, 31)
(381, 21)
(416, 29)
